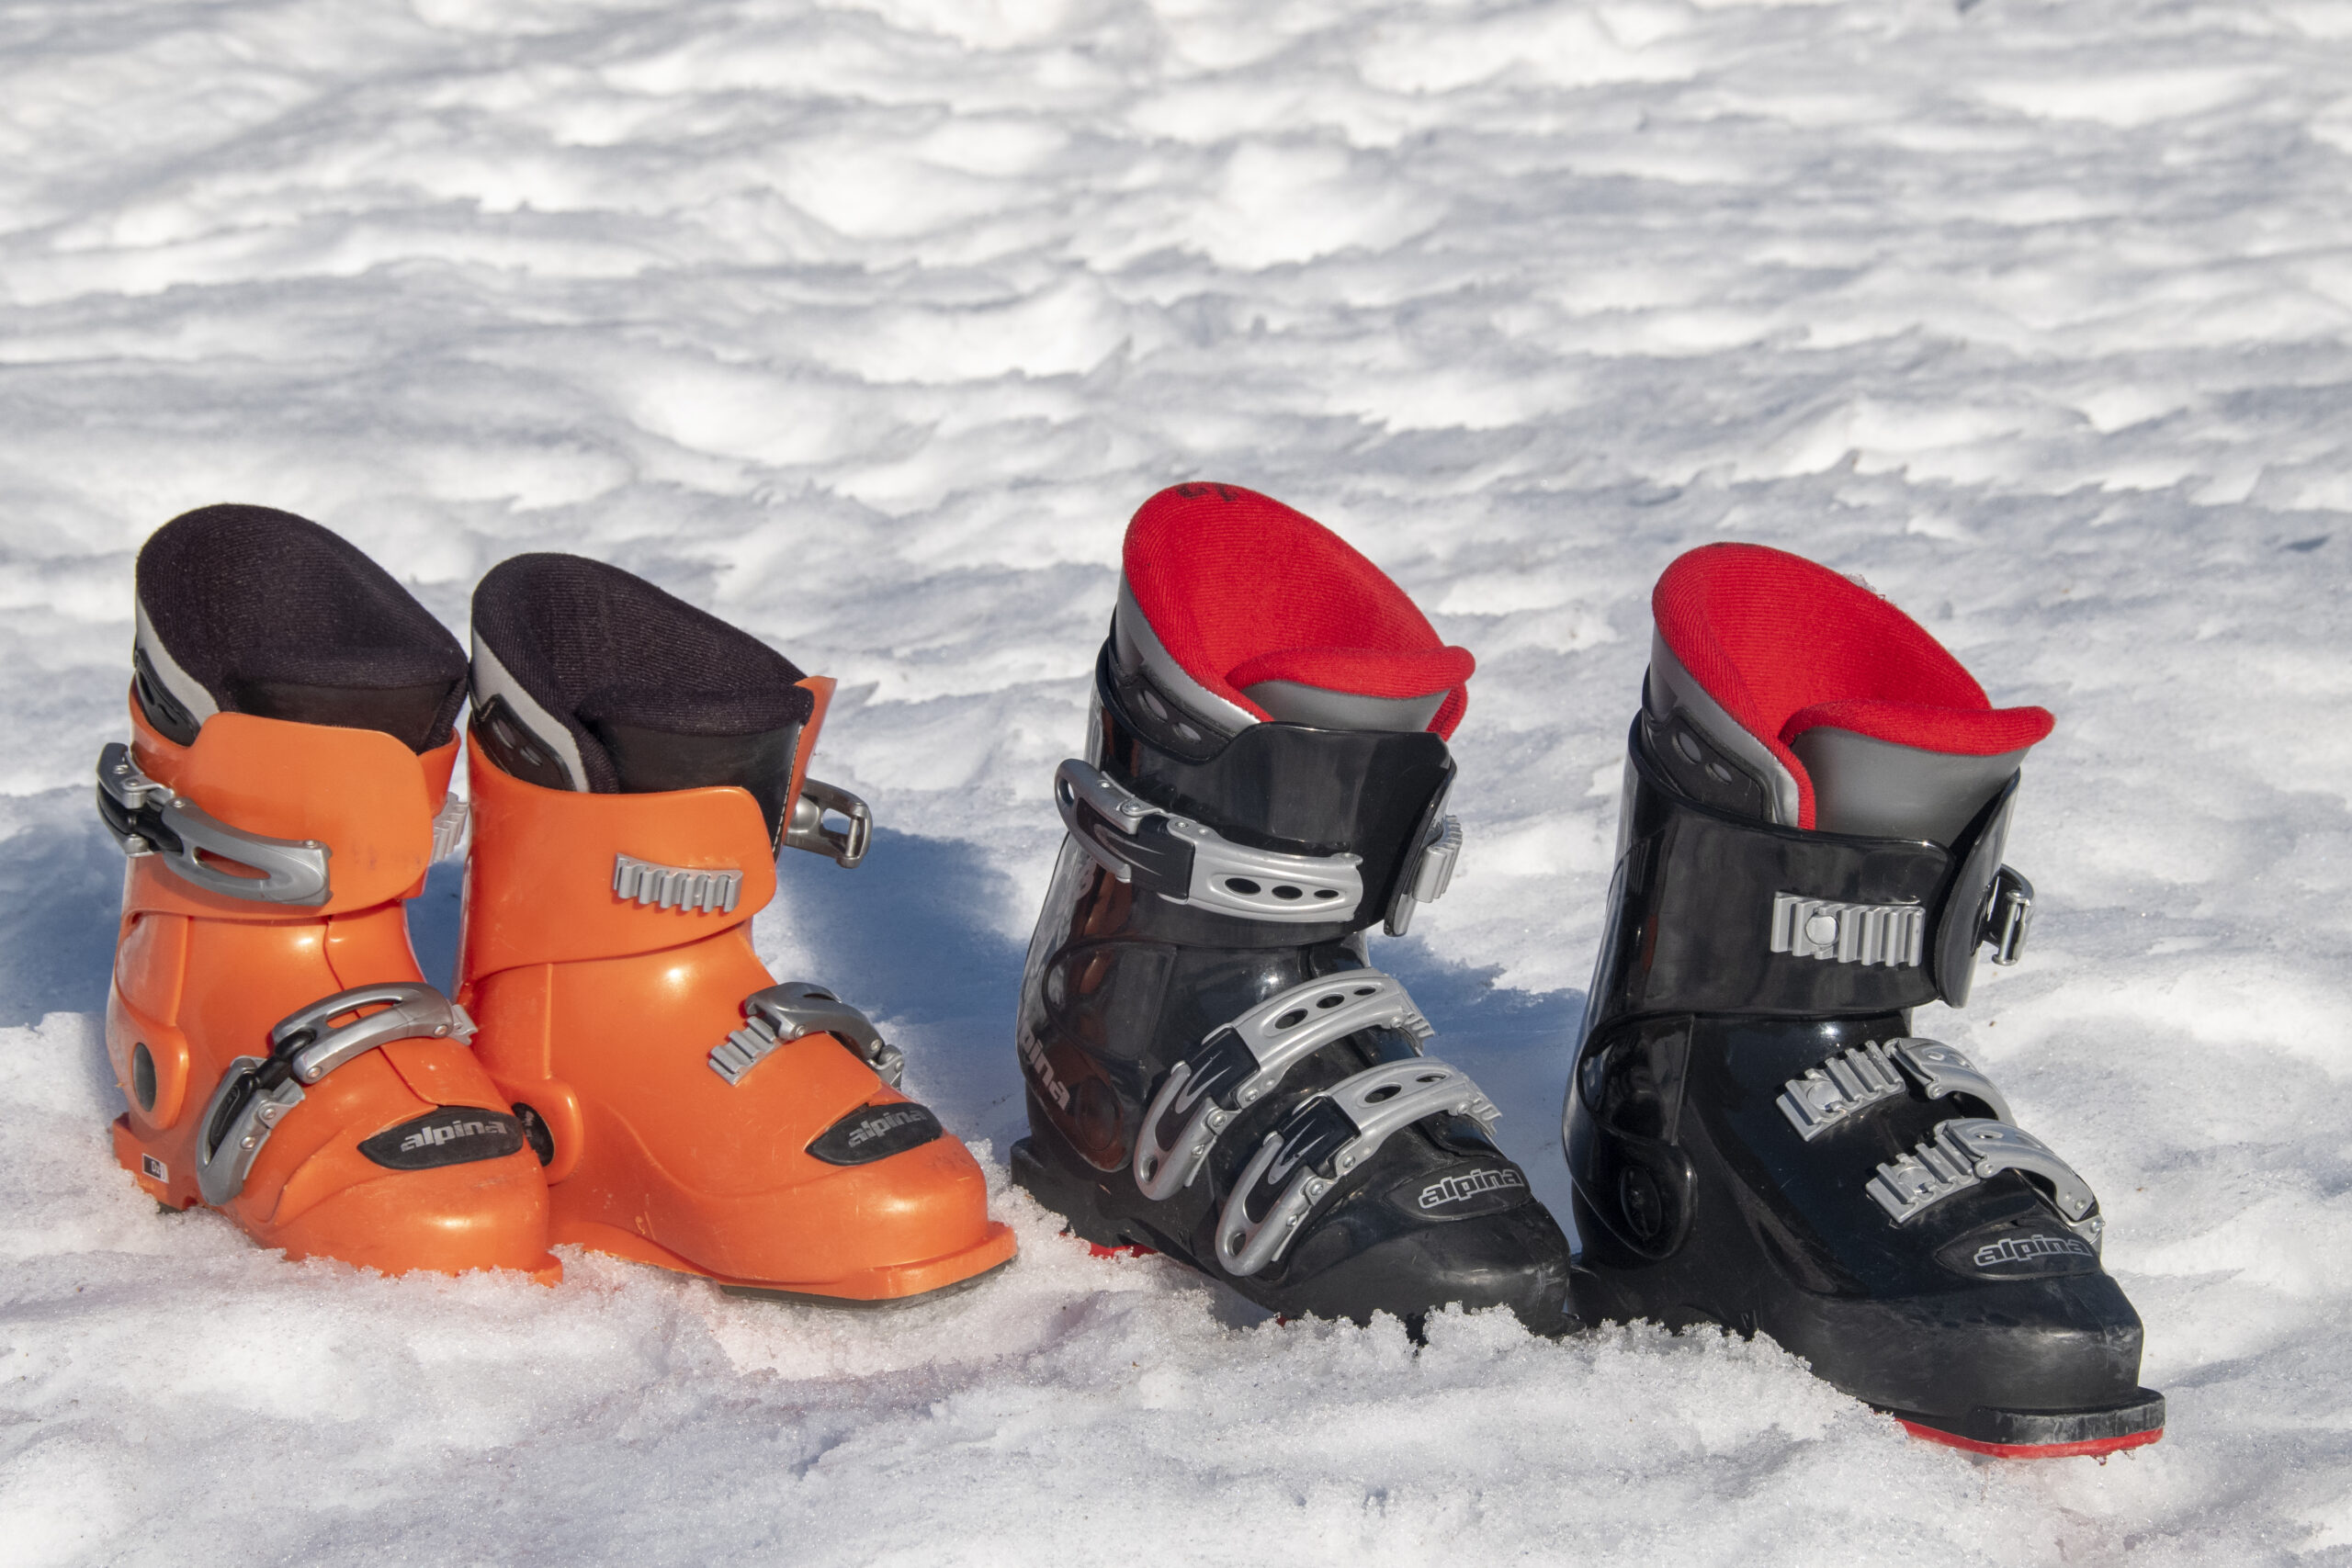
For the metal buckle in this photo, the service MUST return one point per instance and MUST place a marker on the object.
(792, 1011)
(147, 818)
(2008, 915)
(1192, 863)
(411, 1011)
(1432, 872)
(257, 1093)
(1960, 1153)
(1215, 1083)
(1369, 1107)
(807, 829)
(1892, 935)
(1820, 1098)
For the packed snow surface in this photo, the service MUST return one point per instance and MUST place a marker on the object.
(867, 325)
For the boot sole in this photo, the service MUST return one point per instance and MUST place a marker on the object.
(992, 1253)
(2045, 1434)
(847, 1304)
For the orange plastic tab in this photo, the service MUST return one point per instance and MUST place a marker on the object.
(362, 794)
(541, 877)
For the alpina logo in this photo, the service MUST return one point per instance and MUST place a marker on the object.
(430, 1137)
(1033, 1052)
(882, 1125)
(1454, 1189)
(2026, 1248)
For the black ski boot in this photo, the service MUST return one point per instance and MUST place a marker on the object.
(1213, 1070)
(1816, 797)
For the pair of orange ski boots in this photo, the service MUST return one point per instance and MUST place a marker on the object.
(617, 1069)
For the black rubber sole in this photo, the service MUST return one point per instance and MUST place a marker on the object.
(2046, 1434)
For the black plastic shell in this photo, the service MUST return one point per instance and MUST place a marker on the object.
(1698, 1201)
(1121, 984)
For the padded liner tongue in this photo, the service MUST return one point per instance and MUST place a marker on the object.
(246, 609)
(1339, 688)
(1258, 612)
(1838, 699)
(622, 688)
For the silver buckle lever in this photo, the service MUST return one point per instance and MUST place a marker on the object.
(1371, 1106)
(1428, 874)
(1275, 1035)
(147, 818)
(796, 1008)
(255, 1095)
(1960, 1153)
(1190, 863)
(1821, 1097)
(2008, 915)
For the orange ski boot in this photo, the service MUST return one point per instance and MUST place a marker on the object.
(292, 716)
(636, 766)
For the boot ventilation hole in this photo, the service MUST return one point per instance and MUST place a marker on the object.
(1282, 890)
(1159, 710)
(1330, 1000)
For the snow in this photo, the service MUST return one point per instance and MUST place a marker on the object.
(867, 324)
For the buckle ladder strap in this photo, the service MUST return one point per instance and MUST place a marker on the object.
(1892, 935)
(1237, 1065)
(1190, 863)
(257, 1093)
(1852, 1081)
(710, 890)
(1338, 1131)
(1960, 1153)
(449, 824)
(796, 1008)
(147, 818)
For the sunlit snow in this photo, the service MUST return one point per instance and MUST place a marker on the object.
(867, 325)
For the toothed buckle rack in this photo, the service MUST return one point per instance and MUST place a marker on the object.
(795, 1008)
(1959, 1154)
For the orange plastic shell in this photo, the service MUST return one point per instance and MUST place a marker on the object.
(601, 1014)
(200, 978)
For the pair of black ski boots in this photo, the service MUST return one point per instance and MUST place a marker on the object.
(1817, 800)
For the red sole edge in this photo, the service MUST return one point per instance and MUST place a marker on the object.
(1132, 1249)
(2098, 1448)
